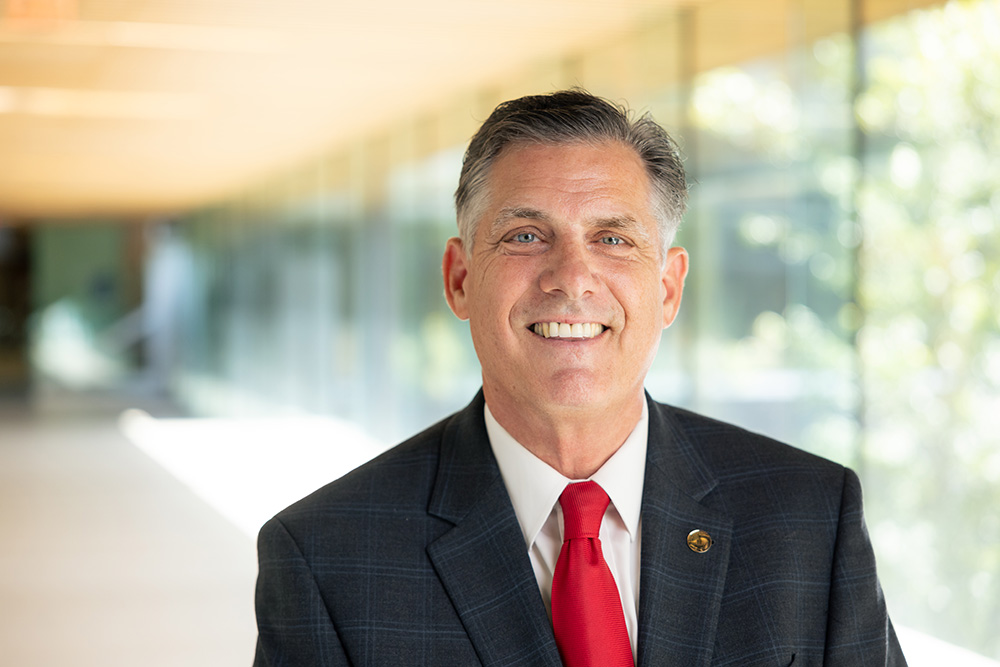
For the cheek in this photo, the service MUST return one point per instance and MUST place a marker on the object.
(490, 309)
(643, 305)
(499, 291)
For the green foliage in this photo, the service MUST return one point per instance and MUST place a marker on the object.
(886, 205)
(930, 290)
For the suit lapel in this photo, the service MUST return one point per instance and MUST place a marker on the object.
(482, 561)
(680, 591)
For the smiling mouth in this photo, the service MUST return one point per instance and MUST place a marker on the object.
(566, 330)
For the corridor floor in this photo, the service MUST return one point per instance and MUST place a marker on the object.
(105, 558)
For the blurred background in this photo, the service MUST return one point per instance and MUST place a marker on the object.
(221, 225)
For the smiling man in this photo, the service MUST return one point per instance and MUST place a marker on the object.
(564, 517)
(567, 288)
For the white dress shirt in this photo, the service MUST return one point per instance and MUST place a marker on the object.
(534, 488)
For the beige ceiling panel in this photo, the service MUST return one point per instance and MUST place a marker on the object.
(142, 105)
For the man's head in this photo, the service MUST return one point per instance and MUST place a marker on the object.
(562, 270)
(564, 117)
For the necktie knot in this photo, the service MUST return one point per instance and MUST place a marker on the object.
(583, 505)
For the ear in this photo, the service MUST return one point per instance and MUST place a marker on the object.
(674, 272)
(455, 268)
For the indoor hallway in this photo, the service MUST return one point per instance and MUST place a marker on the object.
(105, 557)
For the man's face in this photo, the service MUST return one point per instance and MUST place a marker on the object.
(566, 291)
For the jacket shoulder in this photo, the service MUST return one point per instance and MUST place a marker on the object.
(728, 446)
(750, 474)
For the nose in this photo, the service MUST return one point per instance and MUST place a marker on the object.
(569, 271)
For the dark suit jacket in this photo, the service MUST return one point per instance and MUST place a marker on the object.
(416, 558)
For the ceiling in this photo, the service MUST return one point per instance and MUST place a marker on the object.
(133, 107)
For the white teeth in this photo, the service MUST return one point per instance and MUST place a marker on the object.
(566, 330)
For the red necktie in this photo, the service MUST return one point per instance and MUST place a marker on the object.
(586, 609)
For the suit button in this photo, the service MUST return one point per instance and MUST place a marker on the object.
(699, 541)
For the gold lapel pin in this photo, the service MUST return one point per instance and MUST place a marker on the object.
(699, 541)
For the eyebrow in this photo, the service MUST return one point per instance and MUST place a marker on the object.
(518, 212)
(626, 223)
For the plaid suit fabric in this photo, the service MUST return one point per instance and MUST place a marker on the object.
(791, 568)
(414, 559)
(417, 559)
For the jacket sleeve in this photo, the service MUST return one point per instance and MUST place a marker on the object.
(859, 632)
(294, 628)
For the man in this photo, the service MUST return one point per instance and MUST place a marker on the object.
(564, 517)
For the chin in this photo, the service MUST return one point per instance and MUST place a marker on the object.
(575, 389)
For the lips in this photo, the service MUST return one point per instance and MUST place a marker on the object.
(568, 330)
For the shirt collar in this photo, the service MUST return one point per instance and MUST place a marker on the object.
(534, 486)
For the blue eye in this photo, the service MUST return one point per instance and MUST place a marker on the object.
(612, 240)
(525, 237)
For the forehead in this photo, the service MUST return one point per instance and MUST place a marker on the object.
(608, 169)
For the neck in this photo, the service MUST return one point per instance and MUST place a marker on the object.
(576, 441)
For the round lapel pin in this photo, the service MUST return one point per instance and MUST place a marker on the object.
(699, 541)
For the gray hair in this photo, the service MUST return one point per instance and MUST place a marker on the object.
(570, 116)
